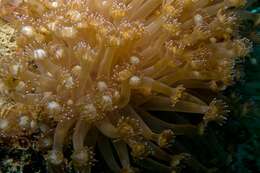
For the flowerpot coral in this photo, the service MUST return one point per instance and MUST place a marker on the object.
(93, 72)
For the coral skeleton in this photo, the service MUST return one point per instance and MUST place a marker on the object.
(95, 73)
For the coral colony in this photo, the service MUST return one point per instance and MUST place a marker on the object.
(92, 73)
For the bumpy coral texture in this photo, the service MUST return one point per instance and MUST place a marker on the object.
(93, 70)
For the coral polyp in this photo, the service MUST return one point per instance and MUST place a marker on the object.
(93, 71)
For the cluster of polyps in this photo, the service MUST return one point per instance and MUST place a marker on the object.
(102, 67)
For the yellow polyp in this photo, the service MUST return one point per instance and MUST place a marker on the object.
(126, 35)
(11, 82)
(113, 41)
(125, 130)
(124, 75)
(139, 150)
(217, 112)
(55, 157)
(172, 28)
(177, 50)
(176, 96)
(128, 127)
(242, 47)
(83, 157)
(131, 31)
(169, 9)
(118, 14)
(165, 137)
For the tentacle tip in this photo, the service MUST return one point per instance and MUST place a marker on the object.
(218, 112)
(83, 157)
(55, 157)
(177, 95)
(128, 127)
(140, 149)
(217, 86)
(177, 159)
(165, 138)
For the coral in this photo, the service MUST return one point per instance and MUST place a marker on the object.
(94, 72)
(7, 39)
